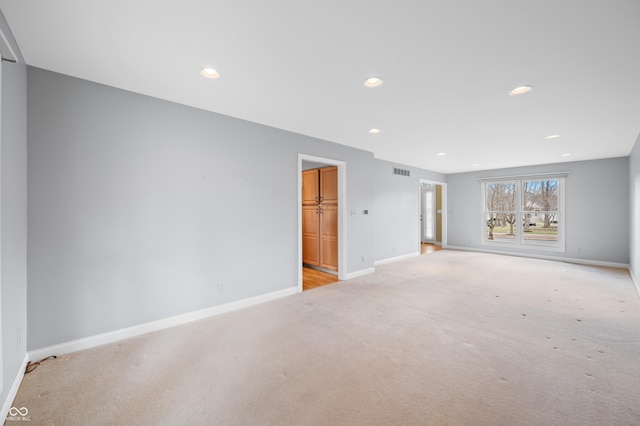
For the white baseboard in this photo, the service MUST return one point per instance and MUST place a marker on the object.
(13, 391)
(395, 259)
(360, 273)
(125, 333)
(634, 280)
(545, 257)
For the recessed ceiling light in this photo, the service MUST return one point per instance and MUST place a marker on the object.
(520, 90)
(475, 165)
(372, 82)
(210, 73)
(565, 155)
(552, 137)
(374, 131)
(441, 154)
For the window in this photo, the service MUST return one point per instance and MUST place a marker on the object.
(525, 212)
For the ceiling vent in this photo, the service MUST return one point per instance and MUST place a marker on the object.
(401, 172)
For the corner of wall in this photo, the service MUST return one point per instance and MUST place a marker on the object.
(13, 207)
(635, 280)
(13, 391)
(634, 212)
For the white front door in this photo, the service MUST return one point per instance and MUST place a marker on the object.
(428, 214)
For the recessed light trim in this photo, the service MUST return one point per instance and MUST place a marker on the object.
(210, 73)
(441, 154)
(556, 136)
(520, 90)
(565, 155)
(372, 82)
(374, 131)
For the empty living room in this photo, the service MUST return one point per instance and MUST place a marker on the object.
(337, 213)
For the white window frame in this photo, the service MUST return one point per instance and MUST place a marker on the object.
(519, 241)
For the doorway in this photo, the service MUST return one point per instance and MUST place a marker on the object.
(432, 216)
(333, 211)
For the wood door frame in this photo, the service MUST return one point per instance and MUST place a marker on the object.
(342, 212)
(444, 210)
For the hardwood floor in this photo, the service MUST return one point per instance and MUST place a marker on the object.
(312, 278)
(429, 248)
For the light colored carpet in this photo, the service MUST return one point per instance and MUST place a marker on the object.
(452, 338)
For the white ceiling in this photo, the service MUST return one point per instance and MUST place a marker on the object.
(299, 65)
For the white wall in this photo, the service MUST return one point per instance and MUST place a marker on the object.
(14, 222)
(634, 216)
(597, 209)
(397, 214)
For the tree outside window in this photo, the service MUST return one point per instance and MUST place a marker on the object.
(540, 208)
(523, 211)
(501, 210)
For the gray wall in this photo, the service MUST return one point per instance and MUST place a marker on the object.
(397, 214)
(597, 208)
(634, 219)
(14, 221)
(141, 209)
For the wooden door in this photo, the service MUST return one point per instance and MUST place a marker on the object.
(320, 217)
(329, 237)
(310, 187)
(329, 185)
(310, 235)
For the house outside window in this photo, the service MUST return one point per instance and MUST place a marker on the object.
(524, 212)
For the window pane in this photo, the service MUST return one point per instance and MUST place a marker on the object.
(524, 212)
(501, 226)
(540, 195)
(541, 226)
(429, 212)
(501, 196)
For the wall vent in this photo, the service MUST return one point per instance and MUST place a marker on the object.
(401, 172)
